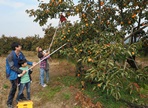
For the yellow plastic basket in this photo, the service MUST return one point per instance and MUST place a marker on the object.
(25, 104)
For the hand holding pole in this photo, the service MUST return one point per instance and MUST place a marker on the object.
(47, 56)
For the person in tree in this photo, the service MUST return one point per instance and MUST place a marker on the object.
(44, 65)
(12, 70)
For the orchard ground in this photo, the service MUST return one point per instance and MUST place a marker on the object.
(63, 91)
(50, 96)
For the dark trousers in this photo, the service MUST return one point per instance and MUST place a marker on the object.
(13, 91)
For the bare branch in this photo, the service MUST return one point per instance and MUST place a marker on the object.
(135, 32)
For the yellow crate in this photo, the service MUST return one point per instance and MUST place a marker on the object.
(25, 104)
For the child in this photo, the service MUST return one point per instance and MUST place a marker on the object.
(24, 80)
(19, 78)
(44, 65)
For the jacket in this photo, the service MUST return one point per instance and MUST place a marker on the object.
(12, 67)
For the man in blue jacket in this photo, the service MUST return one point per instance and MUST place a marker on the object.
(12, 70)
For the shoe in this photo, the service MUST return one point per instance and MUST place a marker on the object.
(28, 99)
(10, 106)
(44, 85)
(23, 98)
(18, 101)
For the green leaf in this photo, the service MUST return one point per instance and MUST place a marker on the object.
(94, 88)
(129, 53)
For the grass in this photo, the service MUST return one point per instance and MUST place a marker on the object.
(107, 101)
(49, 92)
(68, 80)
(5, 86)
(77, 107)
(97, 95)
(66, 96)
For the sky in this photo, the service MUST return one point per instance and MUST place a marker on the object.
(14, 21)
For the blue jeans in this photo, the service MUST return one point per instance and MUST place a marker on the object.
(42, 71)
(21, 88)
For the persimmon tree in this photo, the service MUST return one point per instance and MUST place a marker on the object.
(99, 39)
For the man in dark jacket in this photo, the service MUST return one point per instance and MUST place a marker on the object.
(12, 63)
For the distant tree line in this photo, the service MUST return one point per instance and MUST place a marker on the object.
(28, 43)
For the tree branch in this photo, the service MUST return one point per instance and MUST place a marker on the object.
(135, 32)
